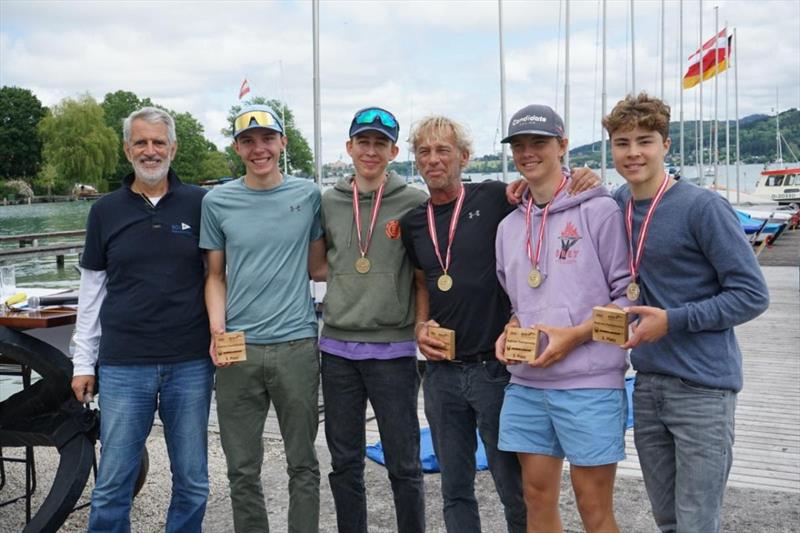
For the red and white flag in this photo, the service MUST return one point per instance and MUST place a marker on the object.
(244, 89)
(715, 55)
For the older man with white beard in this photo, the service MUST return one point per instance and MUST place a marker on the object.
(142, 320)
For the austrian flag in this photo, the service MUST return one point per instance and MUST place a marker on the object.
(720, 45)
(244, 89)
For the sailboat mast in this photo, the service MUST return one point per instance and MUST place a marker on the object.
(566, 78)
(727, 119)
(736, 108)
(701, 168)
(680, 88)
(662, 50)
(716, 95)
(778, 127)
(317, 117)
(503, 125)
(633, 55)
(603, 104)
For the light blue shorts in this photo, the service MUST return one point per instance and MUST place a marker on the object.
(587, 426)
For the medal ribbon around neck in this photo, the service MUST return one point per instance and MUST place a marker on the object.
(453, 224)
(635, 261)
(534, 257)
(364, 247)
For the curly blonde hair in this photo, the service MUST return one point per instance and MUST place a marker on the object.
(642, 111)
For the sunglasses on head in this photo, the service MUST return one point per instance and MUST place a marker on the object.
(368, 116)
(262, 118)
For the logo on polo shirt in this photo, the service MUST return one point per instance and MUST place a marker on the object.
(294, 208)
(182, 229)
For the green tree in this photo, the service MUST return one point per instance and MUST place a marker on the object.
(78, 143)
(301, 160)
(20, 146)
(116, 108)
(198, 158)
(214, 165)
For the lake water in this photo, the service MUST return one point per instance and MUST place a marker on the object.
(42, 218)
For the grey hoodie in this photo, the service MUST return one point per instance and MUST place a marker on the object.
(377, 306)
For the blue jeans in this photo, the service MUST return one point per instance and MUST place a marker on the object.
(683, 433)
(129, 397)
(391, 387)
(459, 397)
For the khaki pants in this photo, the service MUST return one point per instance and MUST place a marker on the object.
(286, 374)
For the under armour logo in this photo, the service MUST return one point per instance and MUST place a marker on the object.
(475, 213)
(294, 208)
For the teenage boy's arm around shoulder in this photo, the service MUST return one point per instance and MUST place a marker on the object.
(430, 347)
(216, 294)
(743, 291)
(317, 261)
(91, 294)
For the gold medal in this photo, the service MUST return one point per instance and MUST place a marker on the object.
(445, 283)
(363, 265)
(535, 278)
(632, 292)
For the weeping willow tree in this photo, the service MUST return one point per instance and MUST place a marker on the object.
(78, 144)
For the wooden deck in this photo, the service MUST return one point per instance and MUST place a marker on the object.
(767, 448)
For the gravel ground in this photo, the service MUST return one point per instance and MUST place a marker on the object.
(746, 510)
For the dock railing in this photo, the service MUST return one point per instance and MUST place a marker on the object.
(29, 245)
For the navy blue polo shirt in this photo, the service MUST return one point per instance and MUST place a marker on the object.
(154, 309)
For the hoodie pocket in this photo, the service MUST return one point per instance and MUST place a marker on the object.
(578, 361)
(356, 302)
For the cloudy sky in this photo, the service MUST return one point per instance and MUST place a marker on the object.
(414, 57)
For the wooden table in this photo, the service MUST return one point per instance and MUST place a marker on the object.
(38, 319)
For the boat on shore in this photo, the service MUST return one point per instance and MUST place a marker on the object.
(780, 185)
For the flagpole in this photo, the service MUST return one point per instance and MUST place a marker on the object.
(603, 105)
(727, 118)
(680, 55)
(503, 125)
(283, 118)
(702, 177)
(317, 117)
(662, 49)
(566, 77)
(736, 108)
(716, 95)
(633, 55)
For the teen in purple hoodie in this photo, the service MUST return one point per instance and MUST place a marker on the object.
(571, 401)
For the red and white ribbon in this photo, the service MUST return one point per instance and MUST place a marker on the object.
(534, 257)
(372, 219)
(635, 260)
(453, 224)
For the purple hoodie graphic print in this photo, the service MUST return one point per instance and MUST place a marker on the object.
(584, 263)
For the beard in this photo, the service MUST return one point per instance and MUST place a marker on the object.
(154, 176)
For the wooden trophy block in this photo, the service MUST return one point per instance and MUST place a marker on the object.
(448, 337)
(522, 344)
(609, 325)
(230, 347)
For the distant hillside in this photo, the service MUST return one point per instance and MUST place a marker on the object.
(756, 132)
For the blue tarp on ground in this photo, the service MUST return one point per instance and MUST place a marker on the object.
(428, 456)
